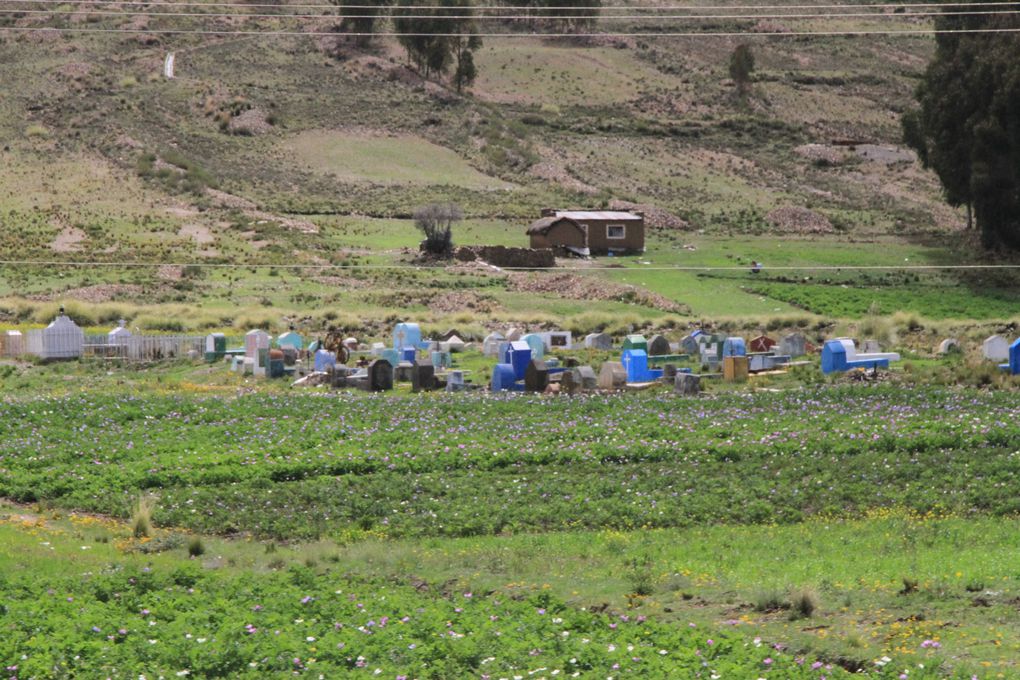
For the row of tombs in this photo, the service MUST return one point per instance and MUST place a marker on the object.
(524, 361)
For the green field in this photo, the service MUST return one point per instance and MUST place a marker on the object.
(732, 517)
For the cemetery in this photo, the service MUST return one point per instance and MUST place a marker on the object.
(505, 360)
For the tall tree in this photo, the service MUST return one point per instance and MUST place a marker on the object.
(967, 128)
(439, 39)
(741, 66)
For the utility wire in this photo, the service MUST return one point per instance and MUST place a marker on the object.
(491, 17)
(554, 270)
(533, 34)
(601, 8)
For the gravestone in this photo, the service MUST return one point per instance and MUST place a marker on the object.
(453, 332)
(490, 345)
(513, 335)
(762, 343)
(441, 359)
(536, 344)
(735, 368)
(1013, 365)
(570, 381)
(454, 344)
(658, 346)
(276, 364)
(589, 381)
(13, 344)
(380, 376)
(871, 347)
(455, 381)
(404, 372)
(215, 347)
(733, 347)
(635, 361)
(687, 384)
(612, 376)
(794, 345)
(406, 335)
(669, 371)
(601, 341)
(635, 342)
(423, 376)
(120, 334)
(996, 348)
(290, 355)
(503, 378)
(261, 365)
(290, 339)
(949, 345)
(689, 344)
(536, 376)
(254, 341)
(324, 360)
(558, 340)
(518, 354)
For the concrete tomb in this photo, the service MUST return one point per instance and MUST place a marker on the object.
(406, 335)
(687, 383)
(841, 355)
(557, 340)
(635, 361)
(1013, 365)
(689, 344)
(455, 381)
(324, 360)
(536, 376)
(254, 341)
(734, 347)
(794, 345)
(423, 376)
(215, 347)
(290, 339)
(403, 372)
(996, 348)
(503, 378)
(518, 354)
(735, 368)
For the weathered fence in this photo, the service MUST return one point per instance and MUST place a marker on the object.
(143, 347)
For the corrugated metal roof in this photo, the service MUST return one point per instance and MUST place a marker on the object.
(597, 215)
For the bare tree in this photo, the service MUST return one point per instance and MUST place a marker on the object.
(436, 222)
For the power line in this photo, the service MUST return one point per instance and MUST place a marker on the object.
(555, 270)
(532, 34)
(904, 6)
(615, 17)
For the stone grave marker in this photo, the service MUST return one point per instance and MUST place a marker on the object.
(794, 345)
(687, 384)
(380, 376)
(949, 345)
(612, 376)
(658, 346)
(536, 376)
(601, 341)
(996, 348)
(423, 377)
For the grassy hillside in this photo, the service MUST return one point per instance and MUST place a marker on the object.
(307, 151)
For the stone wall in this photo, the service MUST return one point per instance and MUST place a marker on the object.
(502, 256)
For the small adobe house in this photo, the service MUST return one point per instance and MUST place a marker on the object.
(589, 232)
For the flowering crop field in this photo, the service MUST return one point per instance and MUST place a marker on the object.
(302, 466)
(395, 478)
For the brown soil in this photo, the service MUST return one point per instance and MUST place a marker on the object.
(799, 220)
(104, 292)
(250, 122)
(574, 287)
(69, 240)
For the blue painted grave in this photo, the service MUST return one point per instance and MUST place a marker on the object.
(734, 347)
(836, 358)
(1013, 366)
(635, 362)
(504, 379)
(518, 355)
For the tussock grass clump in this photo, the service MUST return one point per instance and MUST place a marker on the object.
(769, 600)
(195, 546)
(141, 517)
(803, 603)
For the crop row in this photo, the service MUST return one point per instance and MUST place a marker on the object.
(305, 466)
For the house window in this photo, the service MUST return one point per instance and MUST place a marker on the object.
(616, 231)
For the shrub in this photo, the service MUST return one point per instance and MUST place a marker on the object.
(195, 546)
(769, 600)
(37, 132)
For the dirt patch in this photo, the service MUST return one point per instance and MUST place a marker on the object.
(461, 301)
(169, 272)
(69, 240)
(198, 233)
(251, 122)
(886, 155)
(799, 220)
(225, 200)
(655, 217)
(557, 174)
(574, 287)
(822, 153)
(104, 292)
(75, 70)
